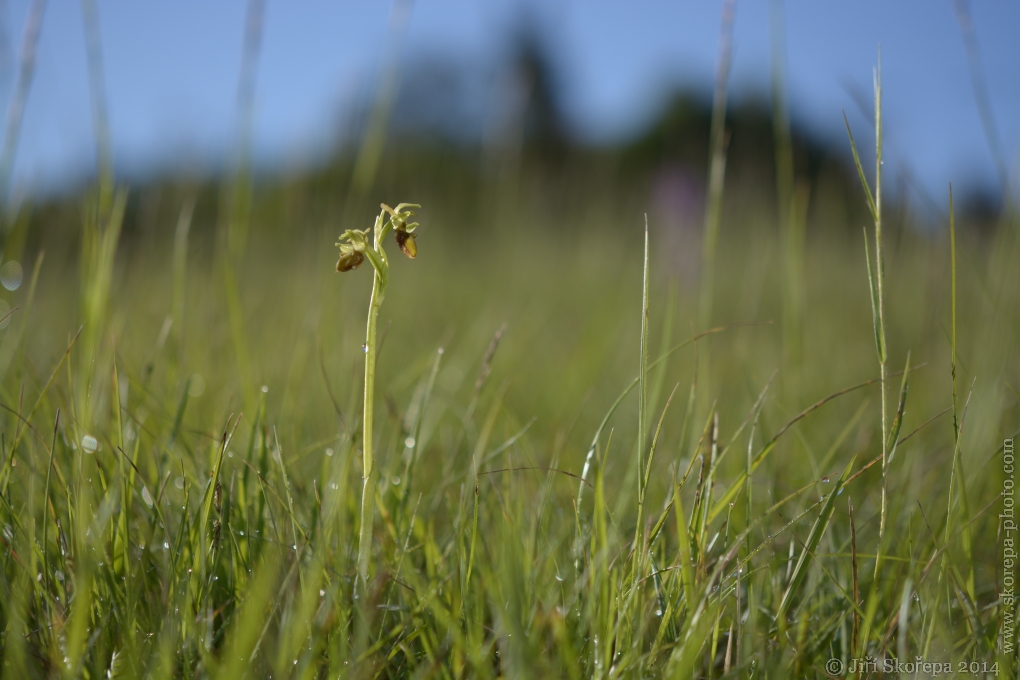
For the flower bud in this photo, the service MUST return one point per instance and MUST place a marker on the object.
(349, 260)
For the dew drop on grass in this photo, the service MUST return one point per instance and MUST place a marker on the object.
(329, 452)
(409, 442)
(166, 546)
(11, 275)
(364, 347)
(825, 480)
(396, 480)
(146, 496)
(265, 389)
(322, 593)
(89, 443)
(179, 482)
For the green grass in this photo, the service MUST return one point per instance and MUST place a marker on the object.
(181, 465)
(206, 535)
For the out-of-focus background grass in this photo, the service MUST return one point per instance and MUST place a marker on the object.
(218, 296)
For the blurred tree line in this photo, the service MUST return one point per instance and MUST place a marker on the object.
(483, 149)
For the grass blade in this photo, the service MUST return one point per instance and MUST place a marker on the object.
(817, 530)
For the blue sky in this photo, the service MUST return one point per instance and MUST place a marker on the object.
(171, 72)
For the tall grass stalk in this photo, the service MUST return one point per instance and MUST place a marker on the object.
(366, 164)
(234, 220)
(101, 224)
(957, 480)
(982, 98)
(639, 545)
(716, 168)
(876, 282)
(16, 107)
(97, 90)
(792, 204)
(179, 286)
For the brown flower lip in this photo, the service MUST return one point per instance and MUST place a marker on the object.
(349, 261)
(407, 243)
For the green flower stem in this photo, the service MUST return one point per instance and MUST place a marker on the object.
(354, 250)
(377, 257)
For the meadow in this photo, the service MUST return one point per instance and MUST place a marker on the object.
(803, 464)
